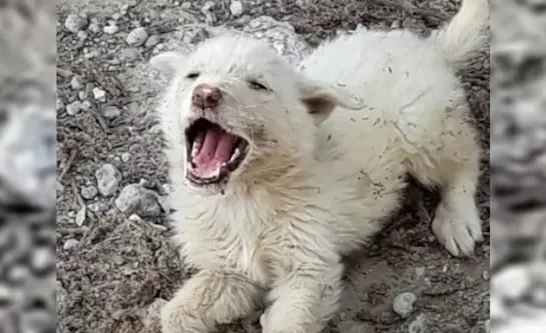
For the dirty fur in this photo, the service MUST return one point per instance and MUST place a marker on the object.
(325, 169)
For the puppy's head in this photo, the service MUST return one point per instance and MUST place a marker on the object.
(240, 112)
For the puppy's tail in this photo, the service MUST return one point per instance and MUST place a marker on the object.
(465, 34)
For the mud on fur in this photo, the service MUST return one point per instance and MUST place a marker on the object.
(278, 173)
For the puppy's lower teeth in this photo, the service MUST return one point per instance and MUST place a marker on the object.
(236, 154)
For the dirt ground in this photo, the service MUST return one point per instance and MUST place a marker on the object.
(111, 268)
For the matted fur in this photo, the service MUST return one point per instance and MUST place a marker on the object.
(324, 169)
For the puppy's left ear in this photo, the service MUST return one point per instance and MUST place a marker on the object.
(167, 63)
(321, 100)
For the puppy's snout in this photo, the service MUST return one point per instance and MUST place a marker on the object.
(206, 96)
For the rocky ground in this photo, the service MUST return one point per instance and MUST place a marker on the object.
(115, 265)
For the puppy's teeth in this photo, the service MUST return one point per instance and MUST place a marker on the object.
(236, 154)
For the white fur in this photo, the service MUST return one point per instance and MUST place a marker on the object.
(307, 195)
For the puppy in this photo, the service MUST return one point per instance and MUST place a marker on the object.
(279, 172)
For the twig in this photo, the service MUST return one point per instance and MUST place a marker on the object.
(68, 165)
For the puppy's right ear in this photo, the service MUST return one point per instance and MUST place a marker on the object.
(167, 63)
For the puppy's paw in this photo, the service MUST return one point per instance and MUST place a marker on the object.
(457, 231)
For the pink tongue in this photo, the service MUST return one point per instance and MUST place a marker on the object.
(216, 149)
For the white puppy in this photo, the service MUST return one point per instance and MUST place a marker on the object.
(272, 188)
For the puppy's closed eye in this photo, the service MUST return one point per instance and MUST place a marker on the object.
(193, 75)
(253, 84)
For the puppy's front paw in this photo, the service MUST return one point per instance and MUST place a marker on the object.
(457, 231)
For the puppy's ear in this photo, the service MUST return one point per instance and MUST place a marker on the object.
(167, 63)
(321, 99)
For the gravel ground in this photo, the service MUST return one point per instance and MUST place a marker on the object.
(115, 265)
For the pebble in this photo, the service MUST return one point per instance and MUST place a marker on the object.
(42, 259)
(59, 104)
(99, 94)
(125, 157)
(94, 27)
(77, 83)
(487, 326)
(511, 283)
(74, 108)
(97, 207)
(418, 325)
(135, 198)
(70, 243)
(80, 216)
(403, 304)
(111, 112)
(82, 35)
(236, 8)
(75, 23)
(89, 192)
(152, 41)
(137, 37)
(111, 29)
(108, 178)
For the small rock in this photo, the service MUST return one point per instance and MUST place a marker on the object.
(97, 207)
(76, 83)
(210, 17)
(125, 157)
(108, 178)
(111, 112)
(74, 108)
(487, 326)
(75, 23)
(152, 41)
(80, 217)
(418, 325)
(236, 8)
(70, 243)
(59, 104)
(93, 27)
(86, 105)
(512, 282)
(42, 259)
(82, 35)
(151, 316)
(207, 7)
(82, 95)
(111, 29)
(89, 192)
(137, 37)
(403, 304)
(135, 198)
(99, 94)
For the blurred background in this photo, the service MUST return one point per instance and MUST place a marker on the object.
(518, 166)
(27, 166)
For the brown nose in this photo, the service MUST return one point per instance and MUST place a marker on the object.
(206, 96)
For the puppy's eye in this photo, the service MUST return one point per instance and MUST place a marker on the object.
(253, 84)
(193, 75)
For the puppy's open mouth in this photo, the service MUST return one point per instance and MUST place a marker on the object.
(213, 152)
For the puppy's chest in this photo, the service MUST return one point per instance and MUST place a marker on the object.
(256, 246)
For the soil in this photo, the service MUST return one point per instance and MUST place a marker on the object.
(112, 265)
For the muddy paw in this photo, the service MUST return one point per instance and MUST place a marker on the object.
(457, 231)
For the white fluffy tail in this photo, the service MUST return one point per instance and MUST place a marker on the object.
(465, 34)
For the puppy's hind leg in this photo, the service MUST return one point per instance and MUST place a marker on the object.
(455, 169)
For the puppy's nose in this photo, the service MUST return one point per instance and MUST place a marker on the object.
(206, 96)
